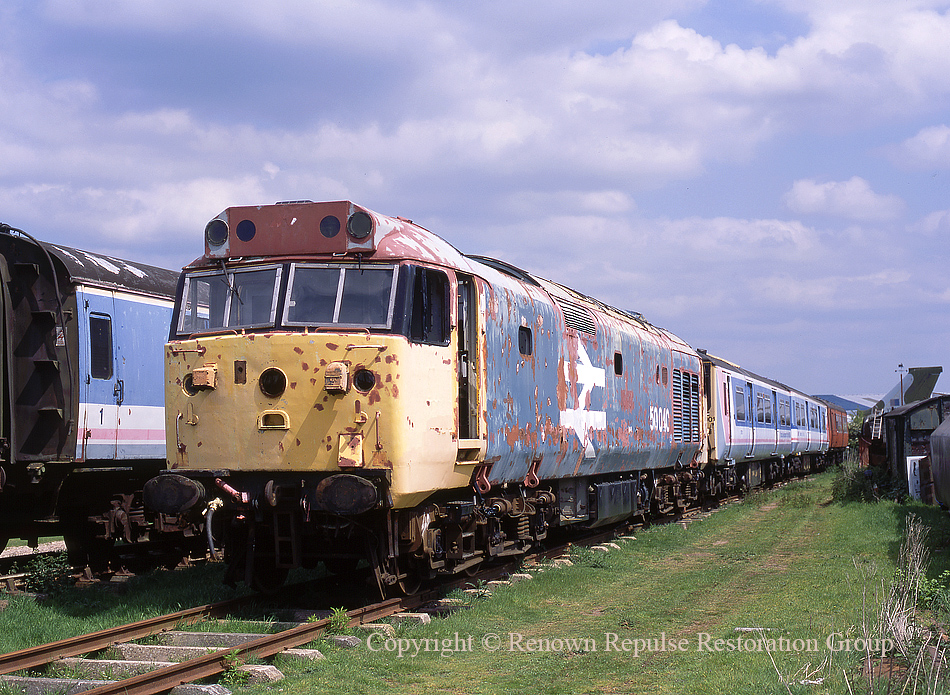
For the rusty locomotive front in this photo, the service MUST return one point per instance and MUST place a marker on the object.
(344, 386)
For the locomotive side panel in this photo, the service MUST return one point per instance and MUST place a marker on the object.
(522, 347)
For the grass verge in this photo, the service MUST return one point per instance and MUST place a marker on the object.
(767, 596)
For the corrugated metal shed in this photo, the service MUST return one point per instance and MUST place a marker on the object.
(940, 462)
(908, 429)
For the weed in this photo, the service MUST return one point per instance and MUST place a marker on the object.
(232, 674)
(47, 574)
(586, 557)
(935, 594)
(854, 483)
(339, 621)
(920, 657)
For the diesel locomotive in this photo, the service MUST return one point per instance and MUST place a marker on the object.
(82, 423)
(342, 386)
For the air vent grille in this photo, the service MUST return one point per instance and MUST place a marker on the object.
(577, 317)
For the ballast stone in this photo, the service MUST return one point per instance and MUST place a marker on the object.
(69, 686)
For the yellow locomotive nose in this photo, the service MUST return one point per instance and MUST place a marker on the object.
(271, 403)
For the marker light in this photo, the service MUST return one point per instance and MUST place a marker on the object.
(360, 225)
(216, 232)
(330, 226)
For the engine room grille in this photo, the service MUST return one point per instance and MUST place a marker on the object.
(685, 406)
(577, 317)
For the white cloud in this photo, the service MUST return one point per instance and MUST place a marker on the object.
(936, 223)
(852, 199)
(928, 149)
(583, 141)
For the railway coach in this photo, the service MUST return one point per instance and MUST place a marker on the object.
(81, 393)
(342, 385)
(773, 429)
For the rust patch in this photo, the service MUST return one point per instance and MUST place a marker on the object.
(332, 346)
(298, 350)
(305, 366)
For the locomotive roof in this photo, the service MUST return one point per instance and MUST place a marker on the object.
(300, 229)
(86, 267)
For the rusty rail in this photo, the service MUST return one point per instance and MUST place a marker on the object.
(94, 641)
(166, 678)
(212, 664)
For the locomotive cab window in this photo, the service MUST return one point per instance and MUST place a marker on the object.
(229, 298)
(344, 295)
(429, 313)
(525, 341)
(100, 346)
(618, 364)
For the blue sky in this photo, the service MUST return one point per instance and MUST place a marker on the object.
(768, 179)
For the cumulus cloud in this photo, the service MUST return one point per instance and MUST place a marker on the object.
(852, 199)
(928, 149)
(625, 149)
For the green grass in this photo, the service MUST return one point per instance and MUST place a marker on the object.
(17, 542)
(793, 561)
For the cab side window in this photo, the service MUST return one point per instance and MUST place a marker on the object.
(429, 317)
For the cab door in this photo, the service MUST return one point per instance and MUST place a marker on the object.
(101, 390)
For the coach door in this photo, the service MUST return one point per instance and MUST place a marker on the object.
(469, 440)
(752, 419)
(775, 421)
(100, 391)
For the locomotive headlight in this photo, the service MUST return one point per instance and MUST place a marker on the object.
(216, 232)
(273, 382)
(360, 225)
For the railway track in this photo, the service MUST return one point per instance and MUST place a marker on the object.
(259, 647)
(215, 663)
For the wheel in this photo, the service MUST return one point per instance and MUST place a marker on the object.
(412, 582)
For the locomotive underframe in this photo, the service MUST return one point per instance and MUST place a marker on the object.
(272, 523)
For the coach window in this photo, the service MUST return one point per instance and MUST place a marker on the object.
(100, 345)
(740, 404)
(429, 316)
